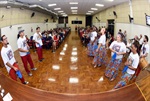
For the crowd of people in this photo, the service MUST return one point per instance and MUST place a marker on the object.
(46, 39)
(98, 41)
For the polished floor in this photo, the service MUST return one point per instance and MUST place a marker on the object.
(68, 70)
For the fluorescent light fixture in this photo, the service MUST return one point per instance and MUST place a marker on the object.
(65, 15)
(99, 5)
(74, 7)
(73, 3)
(40, 0)
(91, 11)
(110, 0)
(74, 13)
(3, 2)
(50, 5)
(74, 10)
(60, 11)
(57, 8)
(88, 13)
(94, 9)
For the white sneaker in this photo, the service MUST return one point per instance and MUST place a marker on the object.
(26, 82)
(34, 69)
(30, 74)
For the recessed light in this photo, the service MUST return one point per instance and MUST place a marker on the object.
(73, 3)
(91, 11)
(74, 7)
(60, 11)
(65, 15)
(94, 9)
(50, 5)
(57, 8)
(100, 5)
(40, 0)
(74, 13)
(74, 10)
(88, 13)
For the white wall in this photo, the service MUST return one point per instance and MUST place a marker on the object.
(12, 32)
(132, 30)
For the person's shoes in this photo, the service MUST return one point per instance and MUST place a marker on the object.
(53, 51)
(30, 74)
(34, 68)
(95, 66)
(99, 65)
(40, 60)
(26, 82)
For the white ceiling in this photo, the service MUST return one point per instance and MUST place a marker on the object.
(83, 5)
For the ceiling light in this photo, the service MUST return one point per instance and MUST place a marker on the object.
(88, 13)
(50, 5)
(100, 5)
(91, 11)
(57, 8)
(74, 10)
(110, 0)
(74, 13)
(3, 2)
(94, 9)
(65, 15)
(73, 3)
(40, 0)
(74, 7)
(60, 11)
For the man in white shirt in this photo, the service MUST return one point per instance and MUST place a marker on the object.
(37, 37)
(9, 61)
(93, 34)
(145, 48)
(24, 52)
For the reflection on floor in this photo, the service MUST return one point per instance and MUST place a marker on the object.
(68, 70)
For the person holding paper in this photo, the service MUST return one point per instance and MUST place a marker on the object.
(118, 49)
(24, 52)
(132, 64)
(9, 60)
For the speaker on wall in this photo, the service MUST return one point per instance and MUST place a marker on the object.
(32, 15)
(131, 19)
(115, 14)
(46, 20)
(97, 19)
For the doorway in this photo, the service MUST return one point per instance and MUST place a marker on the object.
(111, 26)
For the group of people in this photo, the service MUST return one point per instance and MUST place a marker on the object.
(23, 48)
(97, 48)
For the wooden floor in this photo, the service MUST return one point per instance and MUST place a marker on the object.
(68, 70)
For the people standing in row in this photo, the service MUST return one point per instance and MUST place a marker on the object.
(117, 48)
(24, 52)
(10, 61)
(101, 50)
(37, 37)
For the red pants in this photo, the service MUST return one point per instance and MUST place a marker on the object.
(28, 59)
(39, 52)
(12, 73)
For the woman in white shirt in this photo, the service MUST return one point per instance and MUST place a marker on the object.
(132, 63)
(118, 48)
(101, 50)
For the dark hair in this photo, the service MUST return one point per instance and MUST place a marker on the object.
(121, 36)
(37, 28)
(137, 45)
(146, 37)
(2, 37)
(18, 36)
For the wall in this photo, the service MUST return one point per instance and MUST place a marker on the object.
(76, 17)
(21, 19)
(139, 7)
(12, 32)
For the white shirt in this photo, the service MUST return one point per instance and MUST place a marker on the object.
(144, 50)
(22, 43)
(38, 39)
(118, 47)
(102, 39)
(93, 35)
(7, 56)
(141, 41)
(133, 59)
